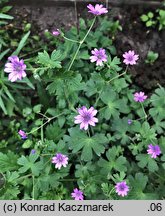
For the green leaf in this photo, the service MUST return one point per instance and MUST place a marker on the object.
(5, 16)
(3, 54)
(3, 106)
(8, 162)
(114, 161)
(50, 61)
(138, 183)
(144, 18)
(21, 44)
(79, 140)
(146, 161)
(54, 132)
(147, 133)
(29, 162)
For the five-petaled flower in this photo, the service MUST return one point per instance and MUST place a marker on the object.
(15, 68)
(140, 97)
(60, 160)
(122, 188)
(154, 151)
(22, 134)
(77, 194)
(86, 117)
(99, 56)
(130, 58)
(97, 9)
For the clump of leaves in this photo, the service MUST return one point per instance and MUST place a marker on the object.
(151, 57)
(153, 19)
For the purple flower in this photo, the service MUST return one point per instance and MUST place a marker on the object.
(15, 68)
(56, 32)
(154, 150)
(97, 10)
(77, 194)
(122, 188)
(60, 160)
(130, 57)
(139, 96)
(129, 121)
(86, 117)
(33, 151)
(99, 56)
(22, 134)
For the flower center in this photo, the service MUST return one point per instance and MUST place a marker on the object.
(18, 67)
(130, 58)
(60, 158)
(100, 56)
(122, 187)
(87, 117)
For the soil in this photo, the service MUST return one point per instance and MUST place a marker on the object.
(135, 36)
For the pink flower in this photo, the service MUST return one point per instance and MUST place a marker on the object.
(22, 134)
(139, 96)
(130, 57)
(15, 68)
(56, 32)
(86, 117)
(122, 188)
(154, 150)
(60, 160)
(97, 10)
(99, 56)
(77, 194)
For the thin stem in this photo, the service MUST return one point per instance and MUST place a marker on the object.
(25, 176)
(42, 134)
(63, 180)
(109, 82)
(81, 42)
(74, 41)
(49, 119)
(145, 115)
(43, 115)
(118, 75)
(88, 133)
(76, 16)
(159, 176)
(33, 188)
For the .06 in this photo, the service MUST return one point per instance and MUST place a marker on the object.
(155, 206)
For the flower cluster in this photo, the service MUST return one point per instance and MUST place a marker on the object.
(86, 117)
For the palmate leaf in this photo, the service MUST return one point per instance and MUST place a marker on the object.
(78, 140)
(54, 132)
(94, 84)
(147, 133)
(71, 82)
(138, 185)
(145, 160)
(115, 106)
(11, 190)
(52, 61)
(158, 103)
(120, 128)
(29, 162)
(114, 161)
(8, 162)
